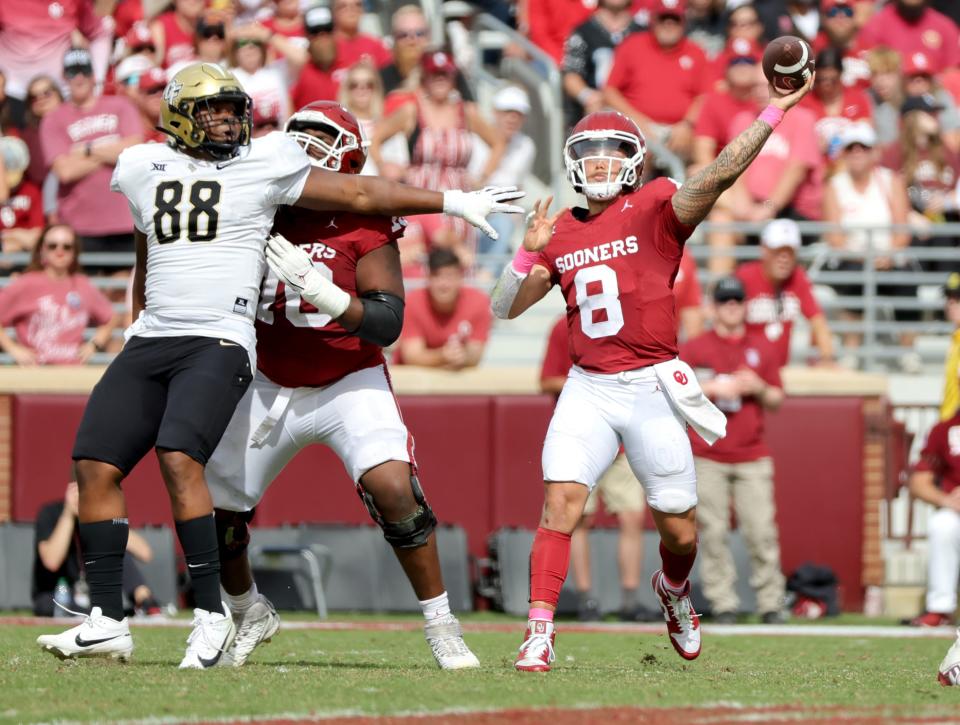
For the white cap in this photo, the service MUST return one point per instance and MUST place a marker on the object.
(512, 98)
(781, 233)
(132, 67)
(859, 132)
(15, 154)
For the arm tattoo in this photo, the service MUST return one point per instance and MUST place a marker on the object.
(694, 200)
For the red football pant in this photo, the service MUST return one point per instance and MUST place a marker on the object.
(676, 567)
(549, 561)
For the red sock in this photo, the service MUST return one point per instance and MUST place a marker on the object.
(676, 567)
(549, 561)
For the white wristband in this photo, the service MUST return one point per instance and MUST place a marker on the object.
(453, 202)
(325, 295)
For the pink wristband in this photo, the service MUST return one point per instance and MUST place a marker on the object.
(771, 115)
(523, 261)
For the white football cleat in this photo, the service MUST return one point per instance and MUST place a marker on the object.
(536, 653)
(212, 635)
(683, 623)
(949, 672)
(95, 636)
(255, 626)
(445, 637)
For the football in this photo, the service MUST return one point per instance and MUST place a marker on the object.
(788, 63)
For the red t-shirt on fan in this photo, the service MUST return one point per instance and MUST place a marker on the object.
(716, 111)
(296, 345)
(941, 453)
(724, 356)
(314, 84)
(772, 312)
(616, 271)
(23, 209)
(470, 320)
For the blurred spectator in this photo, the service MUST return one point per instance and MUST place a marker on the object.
(438, 125)
(622, 496)
(511, 105)
(838, 29)
(127, 74)
(7, 126)
(265, 120)
(51, 305)
(552, 21)
(352, 45)
(34, 37)
(790, 17)
(126, 14)
(314, 71)
(588, 56)
(446, 325)
(411, 38)
(919, 79)
(865, 194)
(149, 99)
(138, 41)
(885, 93)
(930, 171)
(658, 77)
(21, 212)
(174, 32)
(950, 404)
(43, 97)
(209, 43)
(711, 130)
(743, 21)
(57, 562)
(265, 84)
(833, 104)
(910, 26)
(706, 25)
(688, 297)
(361, 93)
(287, 20)
(935, 479)
(779, 292)
(739, 371)
(81, 142)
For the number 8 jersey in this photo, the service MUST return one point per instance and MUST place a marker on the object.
(205, 223)
(616, 271)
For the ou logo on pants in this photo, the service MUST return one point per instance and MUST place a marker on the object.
(680, 377)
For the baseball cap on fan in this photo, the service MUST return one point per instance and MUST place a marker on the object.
(512, 98)
(438, 62)
(77, 61)
(729, 288)
(153, 80)
(781, 234)
(918, 64)
(131, 68)
(318, 19)
(668, 8)
(860, 132)
(741, 50)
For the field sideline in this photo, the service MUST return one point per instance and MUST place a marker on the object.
(354, 669)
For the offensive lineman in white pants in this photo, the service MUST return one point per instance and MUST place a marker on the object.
(327, 307)
(615, 262)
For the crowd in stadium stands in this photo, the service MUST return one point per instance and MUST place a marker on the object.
(878, 141)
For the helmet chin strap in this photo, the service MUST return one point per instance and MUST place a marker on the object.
(603, 191)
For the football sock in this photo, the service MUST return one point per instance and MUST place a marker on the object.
(438, 606)
(549, 561)
(676, 567)
(628, 599)
(537, 613)
(243, 602)
(103, 544)
(198, 539)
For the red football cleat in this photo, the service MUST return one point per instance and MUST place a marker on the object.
(536, 652)
(683, 623)
(932, 619)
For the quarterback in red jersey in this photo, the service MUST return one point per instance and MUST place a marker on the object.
(328, 305)
(616, 262)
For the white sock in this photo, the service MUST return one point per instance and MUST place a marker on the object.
(243, 602)
(439, 606)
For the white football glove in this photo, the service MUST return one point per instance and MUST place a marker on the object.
(475, 206)
(292, 265)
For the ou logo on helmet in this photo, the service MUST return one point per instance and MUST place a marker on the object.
(680, 377)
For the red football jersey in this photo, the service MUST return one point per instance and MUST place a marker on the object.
(296, 345)
(616, 271)
(941, 453)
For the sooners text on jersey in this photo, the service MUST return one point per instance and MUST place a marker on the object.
(616, 271)
(296, 345)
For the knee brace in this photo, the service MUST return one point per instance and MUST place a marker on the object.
(411, 531)
(233, 534)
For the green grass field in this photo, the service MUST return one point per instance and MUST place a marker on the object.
(322, 673)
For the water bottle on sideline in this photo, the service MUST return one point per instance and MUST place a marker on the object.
(61, 596)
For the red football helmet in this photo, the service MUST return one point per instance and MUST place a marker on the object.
(346, 152)
(612, 137)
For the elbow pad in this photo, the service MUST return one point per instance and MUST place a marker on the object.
(382, 318)
(505, 292)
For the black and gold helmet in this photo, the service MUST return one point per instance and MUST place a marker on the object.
(191, 91)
